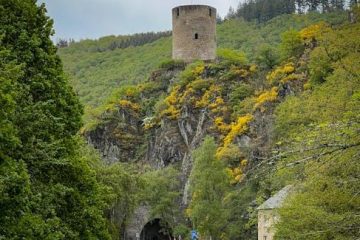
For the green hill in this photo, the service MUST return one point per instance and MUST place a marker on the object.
(95, 73)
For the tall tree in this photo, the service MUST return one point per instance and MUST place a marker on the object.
(209, 182)
(47, 189)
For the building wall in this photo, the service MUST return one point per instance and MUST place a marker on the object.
(266, 222)
(188, 21)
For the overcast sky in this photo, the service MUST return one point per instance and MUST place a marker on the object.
(81, 19)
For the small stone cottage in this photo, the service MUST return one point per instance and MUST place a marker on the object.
(268, 216)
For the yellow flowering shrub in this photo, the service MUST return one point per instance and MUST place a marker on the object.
(237, 173)
(237, 128)
(129, 105)
(208, 97)
(221, 126)
(171, 112)
(199, 69)
(253, 68)
(280, 72)
(200, 84)
(312, 32)
(239, 71)
(219, 101)
(187, 95)
(171, 101)
(267, 96)
(233, 130)
(291, 77)
(192, 72)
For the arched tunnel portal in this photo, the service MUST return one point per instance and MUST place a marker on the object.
(155, 230)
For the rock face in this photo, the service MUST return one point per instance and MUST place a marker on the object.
(122, 135)
(119, 138)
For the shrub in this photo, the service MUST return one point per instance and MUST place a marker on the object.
(170, 64)
(319, 66)
(192, 72)
(268, 57)
(267, 96)
(200, 84)
(241, 92)
(231, 57)
(280, 72)
(291, 44)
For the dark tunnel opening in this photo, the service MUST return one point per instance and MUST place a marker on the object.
(155, 230)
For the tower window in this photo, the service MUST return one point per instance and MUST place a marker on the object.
(177, 12)
(210, 12)
(196, 36)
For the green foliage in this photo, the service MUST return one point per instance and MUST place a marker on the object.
(161, 193)
(264, 10)
(248, 36)
(10, 72)
(123, 185)
(209, 182)
(326, 199)
(267, 56)
(243, 218)
(200, 84)
(191, 72)
(231, 57)
(95, 71)
(291, 44)
(319, 145)
(95, 75)
(319, 66)
(240, 92)
(170, 64)
(48, 190)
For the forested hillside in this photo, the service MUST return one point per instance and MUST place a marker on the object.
(181, 146)
(95, 74)
(278, 107)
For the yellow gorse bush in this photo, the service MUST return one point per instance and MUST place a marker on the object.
(312, 32)
(208, 97)
(238, 128)
(171, 101)
(280, 72)
(267, 96)
(129, 105)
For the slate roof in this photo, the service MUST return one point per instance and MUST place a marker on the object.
(277, 200)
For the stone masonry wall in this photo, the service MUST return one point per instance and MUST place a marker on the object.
(194, 33)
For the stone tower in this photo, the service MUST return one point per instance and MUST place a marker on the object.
(194, 33)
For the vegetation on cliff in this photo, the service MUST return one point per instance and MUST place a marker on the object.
(202, 145)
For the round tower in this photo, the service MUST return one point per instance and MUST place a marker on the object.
(194, 33)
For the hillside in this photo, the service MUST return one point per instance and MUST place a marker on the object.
(95, 74)
(169, 148)
(210, 142)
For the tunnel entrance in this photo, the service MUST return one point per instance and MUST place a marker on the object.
(155, 230)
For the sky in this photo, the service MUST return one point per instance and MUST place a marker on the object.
(82, 19)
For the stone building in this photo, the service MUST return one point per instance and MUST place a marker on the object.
(268, 216)
(194, 33)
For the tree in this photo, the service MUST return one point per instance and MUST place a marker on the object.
(267, 56)
(326, 202)
(291, 44)
(209, 182)
(47, 188)
(319, 134)
(161, 193)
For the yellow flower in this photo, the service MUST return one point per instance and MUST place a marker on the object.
(267, 96)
